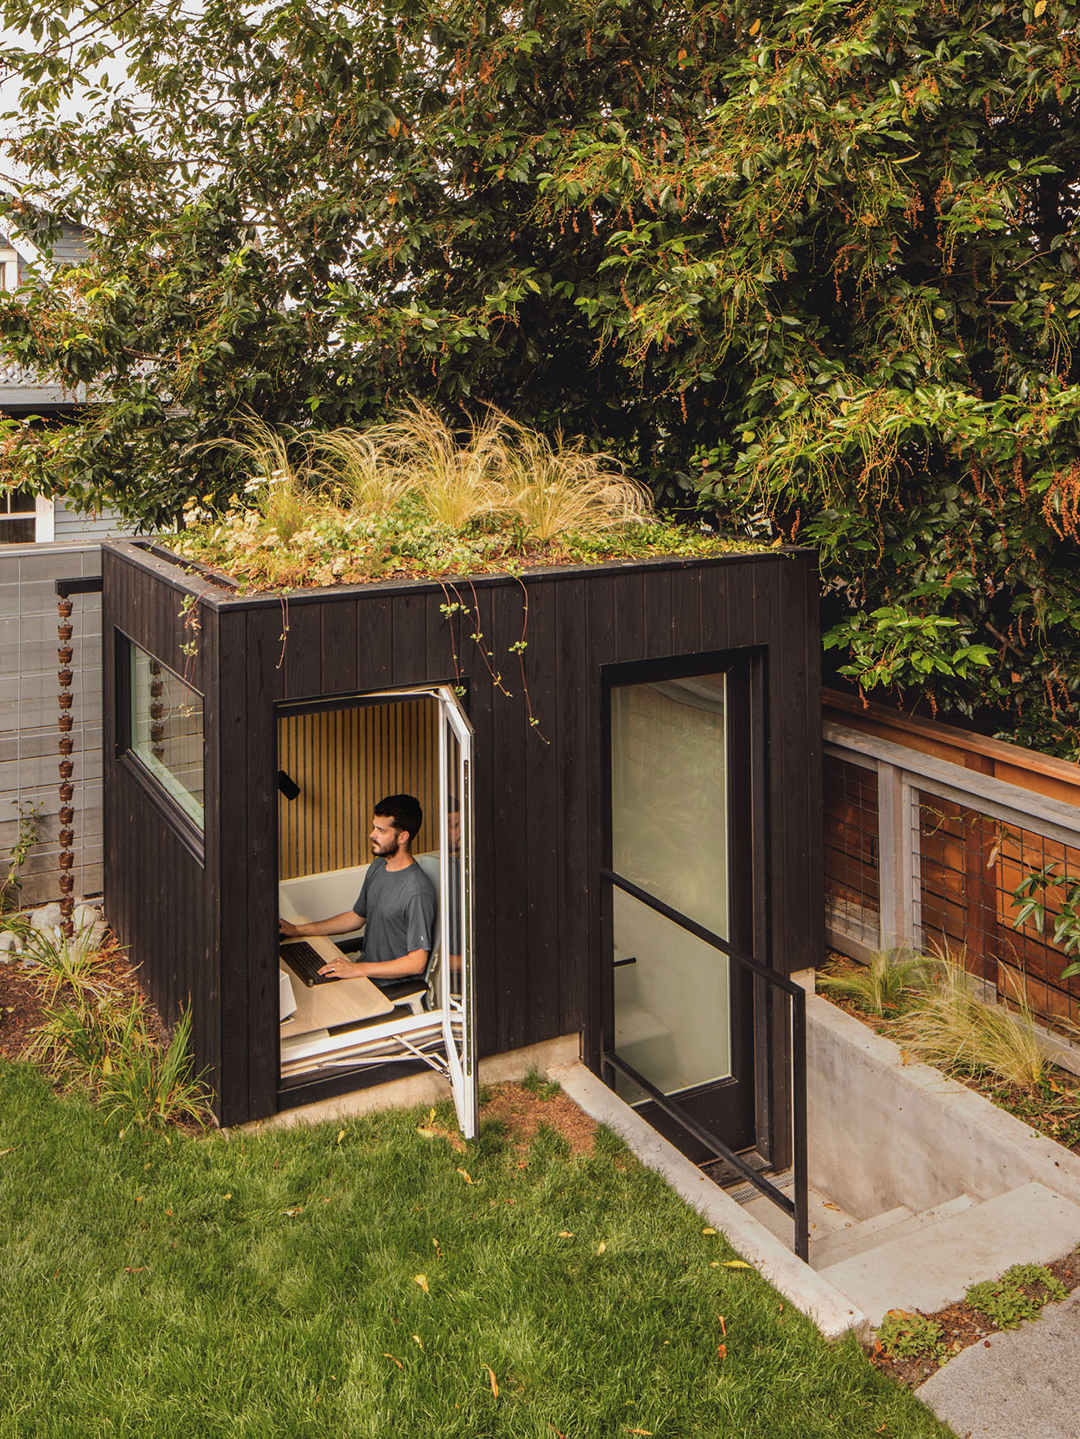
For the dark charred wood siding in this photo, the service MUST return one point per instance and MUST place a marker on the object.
(538, 788)
(160, 885)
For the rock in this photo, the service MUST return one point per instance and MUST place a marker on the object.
(9, 945)
(95, 934)
(47, 917)
(84, 916)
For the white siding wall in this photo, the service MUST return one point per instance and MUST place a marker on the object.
(29, 736)
(70, 524)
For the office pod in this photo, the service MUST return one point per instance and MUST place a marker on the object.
(619, 772)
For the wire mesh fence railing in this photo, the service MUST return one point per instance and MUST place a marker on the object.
(923, 853)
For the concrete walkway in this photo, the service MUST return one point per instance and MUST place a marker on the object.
(1024, 1384)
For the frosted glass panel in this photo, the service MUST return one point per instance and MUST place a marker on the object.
(671, 1003)
(669, 794)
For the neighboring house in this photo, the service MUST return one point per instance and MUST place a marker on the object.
(42, 540)
(26, 518)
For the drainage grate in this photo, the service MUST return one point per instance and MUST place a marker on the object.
(746, 1192)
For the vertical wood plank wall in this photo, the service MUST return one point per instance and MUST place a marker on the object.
(538, 789)
(156, 893)
(345, 761)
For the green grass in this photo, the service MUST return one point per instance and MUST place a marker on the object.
(162, 1285)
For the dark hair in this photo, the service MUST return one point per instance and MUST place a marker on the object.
(404, 810)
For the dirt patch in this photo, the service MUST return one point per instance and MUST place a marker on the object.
(523, 1110)
(961, 1325)
(21, 1009)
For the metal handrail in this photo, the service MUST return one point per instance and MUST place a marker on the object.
(798, 1208)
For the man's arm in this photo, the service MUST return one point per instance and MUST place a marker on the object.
(336, 924)
(403, 967)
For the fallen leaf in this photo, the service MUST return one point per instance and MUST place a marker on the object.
(1040, 6)
(106, 1066)
(438, 1249)
(494, 1381)
(639, 1431)
(455, 1141)
(421, 1279)
(563, 1233)
(708, 1229)
(341, 1136)
(226, 1196)
(465, 1175)
(723, 1326)
(9, 1151)
(721, 1349)
(737, 1264)
(431, 1116)
(601, 1247)
(292, 1213)
(418, 1340)
(551, 1426)
(396, 1361)
(136, 1269)
(830, 1205)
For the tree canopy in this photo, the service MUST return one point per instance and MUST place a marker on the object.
(811, 266)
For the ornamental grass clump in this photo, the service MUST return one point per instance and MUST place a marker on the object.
(558, 487)
(456, 484)
(882, 987)
(955, 1028)
(284, 485)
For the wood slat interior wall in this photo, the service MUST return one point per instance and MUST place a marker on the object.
(345, 761)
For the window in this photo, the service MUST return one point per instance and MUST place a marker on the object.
(9, 267)
(167, 731)
(18, 517)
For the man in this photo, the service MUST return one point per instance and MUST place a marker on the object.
(396, 905)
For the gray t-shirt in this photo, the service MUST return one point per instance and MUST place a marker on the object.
(399, 907)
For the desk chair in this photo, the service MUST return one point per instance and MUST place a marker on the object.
(418, 990)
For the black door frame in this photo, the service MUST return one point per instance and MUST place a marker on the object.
(703, 1120)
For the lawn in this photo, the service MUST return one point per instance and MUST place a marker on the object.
(367, 1279)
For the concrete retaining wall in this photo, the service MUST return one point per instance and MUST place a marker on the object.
(883, 1132)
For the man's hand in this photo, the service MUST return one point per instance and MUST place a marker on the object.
(287, 929)
(344, 968)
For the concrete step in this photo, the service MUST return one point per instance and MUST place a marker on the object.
(870, 1233)
(825, 1217)
(861, 1234)
(934, 1265)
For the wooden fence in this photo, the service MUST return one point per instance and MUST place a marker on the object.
(929, 834)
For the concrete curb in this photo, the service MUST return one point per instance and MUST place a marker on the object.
(831, 1312)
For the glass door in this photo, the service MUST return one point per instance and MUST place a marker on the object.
(679, 1012)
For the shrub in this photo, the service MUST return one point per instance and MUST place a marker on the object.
(1018, 1295)
(911, 1336)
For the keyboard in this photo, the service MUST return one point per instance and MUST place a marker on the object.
(306, 962)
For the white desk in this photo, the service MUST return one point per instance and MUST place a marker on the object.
(343, 1001)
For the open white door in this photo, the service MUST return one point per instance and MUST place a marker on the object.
(441, 1037)
(455, 911)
